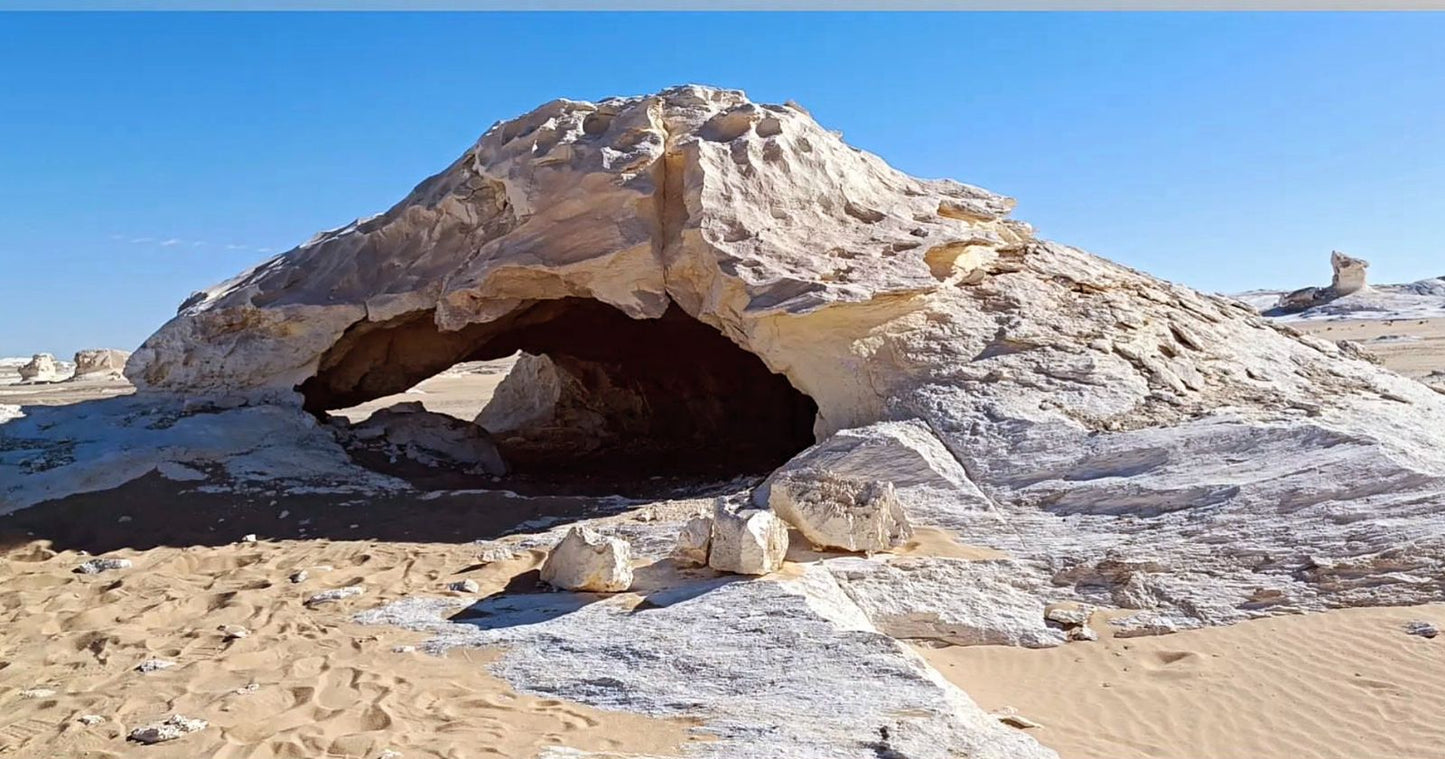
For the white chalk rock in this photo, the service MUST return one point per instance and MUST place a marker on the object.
(408, 429)
(953, 601)
(96, 566)
(693, 542)
(748, 542)
(175, 726)
(42, 368)
(335, 594)
(100, 364)
(838, 511)
(587, 561)
(526, 396)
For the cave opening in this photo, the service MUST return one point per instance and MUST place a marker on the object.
(596, 402)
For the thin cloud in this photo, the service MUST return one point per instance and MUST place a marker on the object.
(174, 242)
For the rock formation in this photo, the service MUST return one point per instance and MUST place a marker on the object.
(100, 363)
(431, 439)
(587, 561)
(1349, 278)
(715, 282)
(42, 368)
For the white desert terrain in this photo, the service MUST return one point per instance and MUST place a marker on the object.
(674, 426)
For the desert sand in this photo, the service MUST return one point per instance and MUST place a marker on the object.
(1335, 685)
(304, 682)
(1412, 347)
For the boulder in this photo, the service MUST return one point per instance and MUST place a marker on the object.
(408, 429)
(747, 542)
(587, 561)
(42, 368)
(100, 363)
(840, 511)
(693, 542)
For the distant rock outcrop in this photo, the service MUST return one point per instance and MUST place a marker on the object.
(1349, 277)
(42, 368)
(100, 363)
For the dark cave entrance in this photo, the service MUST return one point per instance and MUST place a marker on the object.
(640, 404)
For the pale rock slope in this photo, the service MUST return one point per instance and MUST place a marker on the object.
(1119, 441)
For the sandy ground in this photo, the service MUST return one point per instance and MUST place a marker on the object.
(305, 682)
(1412, 347)
(1344, 684)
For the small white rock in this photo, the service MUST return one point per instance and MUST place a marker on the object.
(96, 566)
(839, 511)
(90, 719)
(403, 649)
(589, 562)
(247, 689)
(154, 665)
(249, 537)
(693, 543)
(299, 576)
(335, 594)
(464, 586)
(748, 542)
(1421, 628)
(37, 693)
(233, 632)
(172, 728)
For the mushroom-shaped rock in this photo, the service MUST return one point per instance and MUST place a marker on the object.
(747, 542)
(1349, 274)
(838, 511)
(100, 363)
(588, 561)
(42, 368)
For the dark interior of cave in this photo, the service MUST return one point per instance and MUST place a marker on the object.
(663, 400)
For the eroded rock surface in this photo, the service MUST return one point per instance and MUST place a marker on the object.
(428, 438)
(1349, 278)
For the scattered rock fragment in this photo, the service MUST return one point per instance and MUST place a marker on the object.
(90, 720)
(37, 693)
(588, 561)
(464, 586)
(495, 554)
(748, 542)
(175, 726)
(839, 511)
(1421, 628)
(154, 665)
(249, 537)
(299, 576)
(96, 566)
(403, 649)
(233, 632)
(693, 542)
(335, 594)
(1011, 717)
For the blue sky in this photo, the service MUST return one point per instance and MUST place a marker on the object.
(149, 155)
